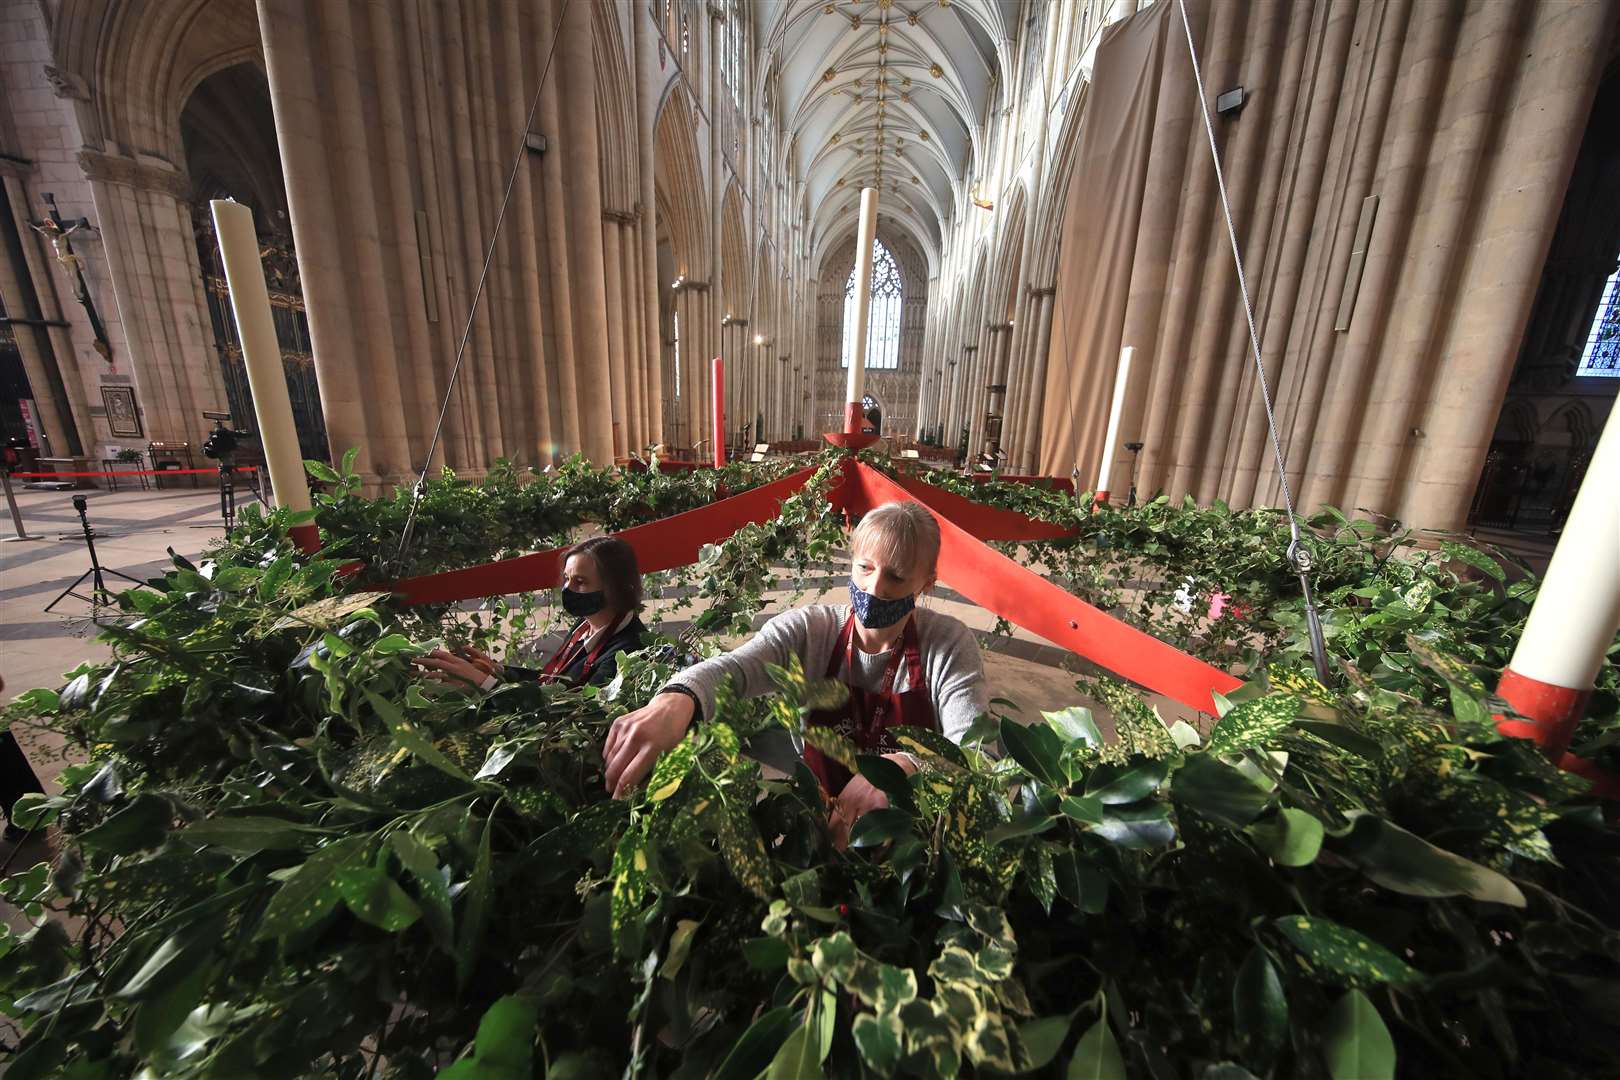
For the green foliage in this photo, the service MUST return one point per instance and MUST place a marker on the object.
(285, 857)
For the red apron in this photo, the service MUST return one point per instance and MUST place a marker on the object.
(564, 658)
(870, 716)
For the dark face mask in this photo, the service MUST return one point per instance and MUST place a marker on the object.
(875, 613)
(583, 604)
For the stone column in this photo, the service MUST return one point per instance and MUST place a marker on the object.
(49, 361)
(148, 241)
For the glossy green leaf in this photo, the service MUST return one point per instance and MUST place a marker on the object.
(376, 898)
(1075, 725)
(1406, 863)
(140, 825)
(1087, 810)
(1037, 749)
(1097, 1056)
(1114, 785)
(1042, 1039)
(248, 835)
(1218, 791)
(758, 1046)
(1355, 1041)
(433, 892)
(407, 734)
(1137, 827)
(475, 908)
(799, 1057)
(1289, 837)
(877, 827)
(1259, 1008)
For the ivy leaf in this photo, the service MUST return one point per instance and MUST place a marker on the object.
(1253, 723)
(1037, 749)
(1258, 1006)
(311, 893)
(878, 1039)
(1115, 785)
(1353, 959)
(1406, 863)
(1218, 791)
(376, 898)
(1290, 837)
(1097, 1056)
(1355, 1041)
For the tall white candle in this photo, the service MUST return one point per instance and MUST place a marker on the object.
(250, 299)
(1577, 609)
(865, 238)
(1120, 381)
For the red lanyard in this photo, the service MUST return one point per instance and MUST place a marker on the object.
(564, 659)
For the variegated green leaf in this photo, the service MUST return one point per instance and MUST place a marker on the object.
(1253, 723)
(1327, 949)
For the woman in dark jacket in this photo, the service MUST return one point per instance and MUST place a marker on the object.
(601, 588)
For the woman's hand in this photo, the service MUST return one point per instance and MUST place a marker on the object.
(637, 738)
(479, 659)
(859, 798)
(447, 667)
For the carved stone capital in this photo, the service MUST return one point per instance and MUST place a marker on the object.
(622, 217)
(970, 348)
(115, 169)
(999, 327)
(1041, 290)
(67, 84)
(717, 13)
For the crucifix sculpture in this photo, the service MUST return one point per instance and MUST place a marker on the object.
(57, 231)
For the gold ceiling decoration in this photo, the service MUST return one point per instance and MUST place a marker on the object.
(885, 5)
(828, 75)
(935, 70)
(829, 9)
(914, 180)
(836, 136)
(905, 99)
(923, 135)
(911, 18)
(905, 80)
(855, 22)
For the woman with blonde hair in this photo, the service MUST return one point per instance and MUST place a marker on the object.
(904, 666)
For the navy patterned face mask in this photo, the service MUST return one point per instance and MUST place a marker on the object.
(875, 613)
(581, 604)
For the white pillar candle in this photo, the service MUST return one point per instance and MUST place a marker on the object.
(1577, 609)
(865, 238)
(261, 352)
(1120, 381)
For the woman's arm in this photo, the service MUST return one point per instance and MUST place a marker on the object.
(955, 672)
(784, 636)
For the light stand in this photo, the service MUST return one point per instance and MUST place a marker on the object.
(1135, 448)
(99, 596)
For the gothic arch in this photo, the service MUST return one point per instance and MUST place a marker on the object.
(678, 180)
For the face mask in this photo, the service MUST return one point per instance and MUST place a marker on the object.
(582, 604)
(875, 613)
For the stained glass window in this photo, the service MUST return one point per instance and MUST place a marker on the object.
(883, 320)
(1601, 355)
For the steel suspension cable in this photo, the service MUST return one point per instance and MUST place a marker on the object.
(472, 309)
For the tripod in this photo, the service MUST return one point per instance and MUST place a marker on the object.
(99, 595)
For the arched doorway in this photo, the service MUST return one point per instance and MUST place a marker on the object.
(228, 130)
(1568, 372)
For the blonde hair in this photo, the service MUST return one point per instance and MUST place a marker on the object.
(902, 534)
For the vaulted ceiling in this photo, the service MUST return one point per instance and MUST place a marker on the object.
(891, 94)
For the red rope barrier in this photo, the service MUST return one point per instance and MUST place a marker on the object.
(132, 472)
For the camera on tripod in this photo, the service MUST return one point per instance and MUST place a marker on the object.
(222, 442)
